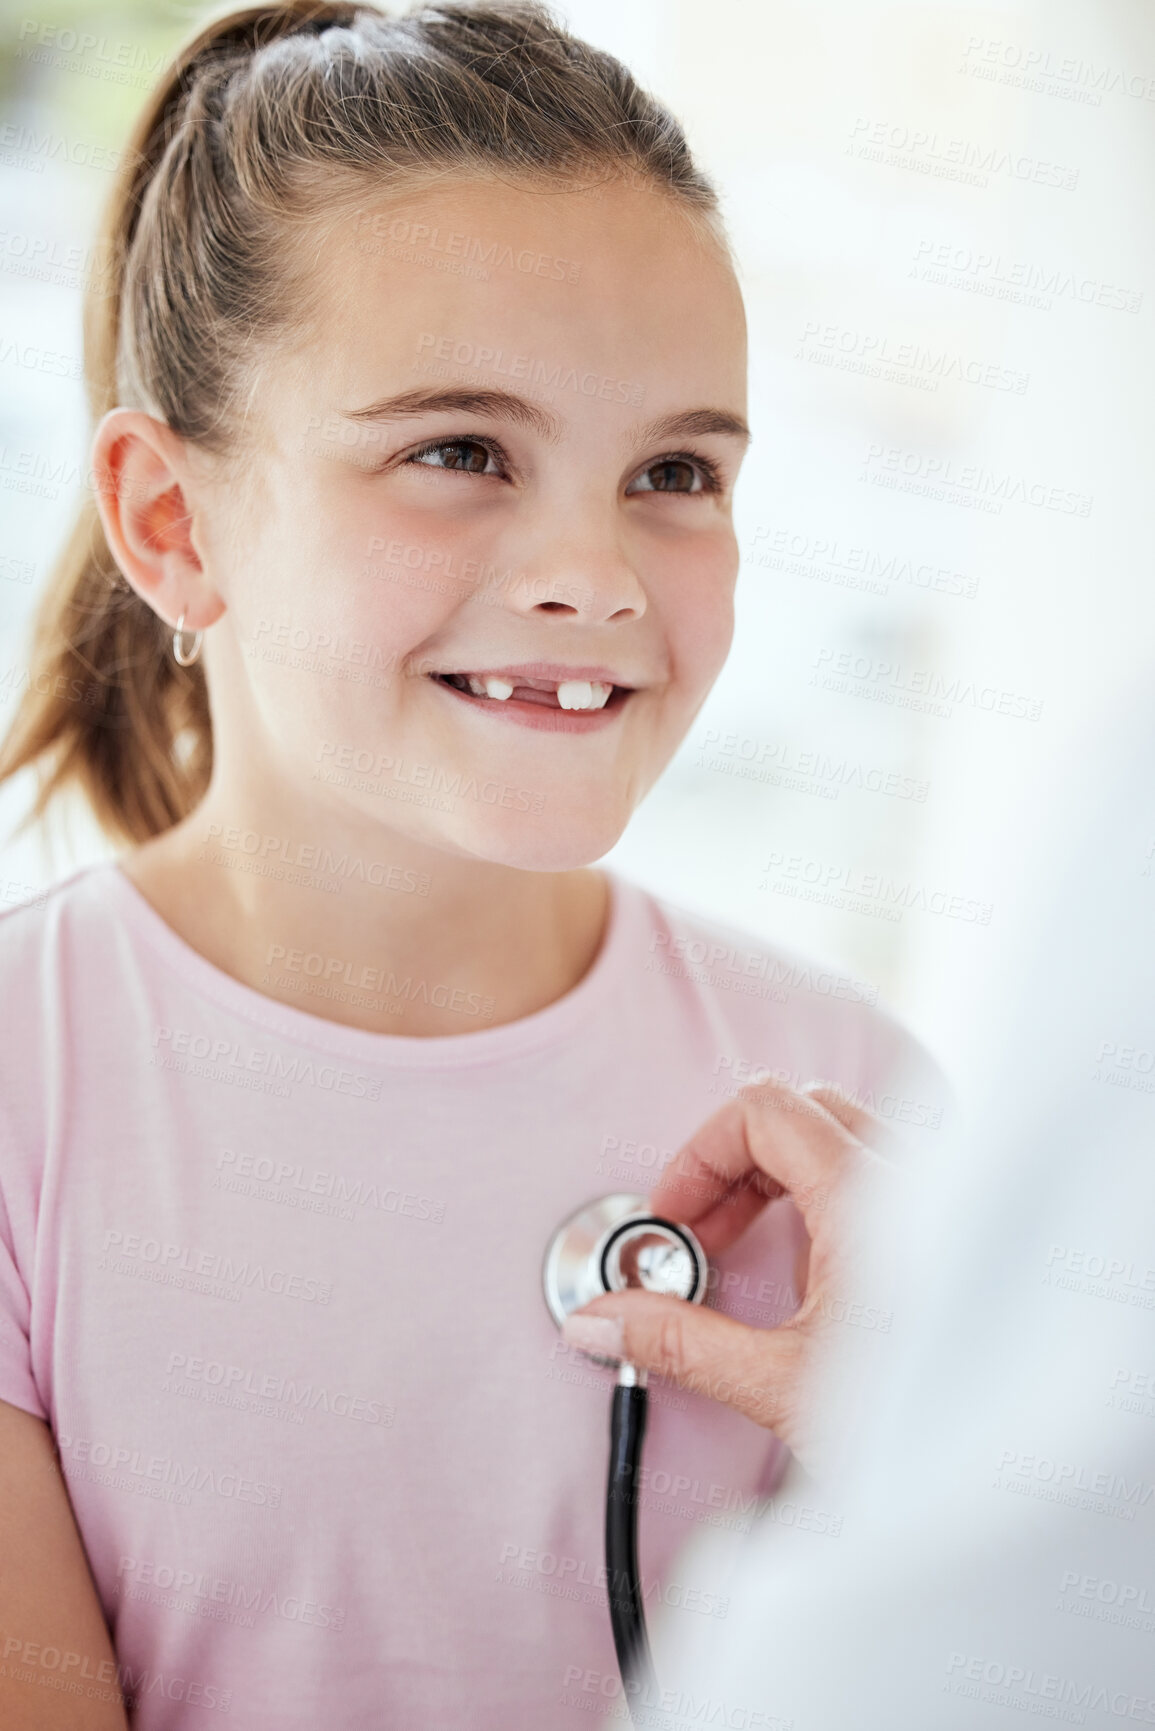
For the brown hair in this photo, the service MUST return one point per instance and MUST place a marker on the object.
(242, 139)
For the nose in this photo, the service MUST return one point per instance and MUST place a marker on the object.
(593, 584)
(597, 603)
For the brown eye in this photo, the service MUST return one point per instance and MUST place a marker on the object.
(672, 477)
(678, 473)
(468, 456)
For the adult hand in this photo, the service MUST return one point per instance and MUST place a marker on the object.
(812, 1145)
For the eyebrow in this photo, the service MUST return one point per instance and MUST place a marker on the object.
(508, 406)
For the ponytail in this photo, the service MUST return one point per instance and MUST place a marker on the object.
(260, 119)
(107, 709)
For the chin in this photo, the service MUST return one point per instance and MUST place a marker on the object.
(547, 841)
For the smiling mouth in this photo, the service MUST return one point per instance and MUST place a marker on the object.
(567, 694)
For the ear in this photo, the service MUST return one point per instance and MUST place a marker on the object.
(143, 484)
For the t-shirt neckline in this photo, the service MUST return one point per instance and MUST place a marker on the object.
(435, 1051)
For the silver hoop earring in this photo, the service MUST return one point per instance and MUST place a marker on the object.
(182, 656)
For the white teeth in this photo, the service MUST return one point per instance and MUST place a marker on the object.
(571, 693)
(583, 694)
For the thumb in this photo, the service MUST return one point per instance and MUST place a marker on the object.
(754, 1370)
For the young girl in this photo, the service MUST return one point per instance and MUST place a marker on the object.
(419, 379)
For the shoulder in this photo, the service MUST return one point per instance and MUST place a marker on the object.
(48, 960)
(33, 921)
(61, 950)
(777, 1013)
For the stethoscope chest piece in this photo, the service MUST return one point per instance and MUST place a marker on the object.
(616, 1243)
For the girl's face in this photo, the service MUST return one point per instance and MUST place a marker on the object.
(492, 483)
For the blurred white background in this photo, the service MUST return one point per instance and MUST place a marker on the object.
(942, 219)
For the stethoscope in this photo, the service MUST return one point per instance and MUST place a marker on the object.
(609, 1246)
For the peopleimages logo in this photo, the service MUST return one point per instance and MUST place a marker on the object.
(376, 231)
(1026, 1688)
(872, 893)
(71, 1669)
(114, 62)
(826, 560)
(212, 1590)
(875, 355)
(1042, 70)
(341, 763)
(145, 1471)
(1106, 1592)
(311, 862)
(929, 152)
(598, 1692)
(278, 1180)
(230, 1059)
(990, 488)
(548, 375)
(234, 1380)
(24, 147)
(1024, 282)
(796, 976)
(213, 1265)
(1098, 1490)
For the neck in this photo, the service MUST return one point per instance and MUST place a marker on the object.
(367, 927)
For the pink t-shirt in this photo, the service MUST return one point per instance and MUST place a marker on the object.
(275, 1283)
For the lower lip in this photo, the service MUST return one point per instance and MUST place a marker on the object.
(542, 716)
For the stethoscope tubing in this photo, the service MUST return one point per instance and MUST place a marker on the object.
(628, 1413)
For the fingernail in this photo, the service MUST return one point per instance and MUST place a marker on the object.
(603, 1335)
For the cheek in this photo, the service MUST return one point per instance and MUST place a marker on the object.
(343, 581)
(699, 616)
(414, 576)
(397, 566)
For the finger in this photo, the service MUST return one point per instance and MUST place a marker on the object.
(731, 1206)
(766, 1142)
(753, 1370)
(871, 1130)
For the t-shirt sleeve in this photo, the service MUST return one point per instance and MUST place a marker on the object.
(17, 1383)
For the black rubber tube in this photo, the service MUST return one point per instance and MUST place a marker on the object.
(627, 1606)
